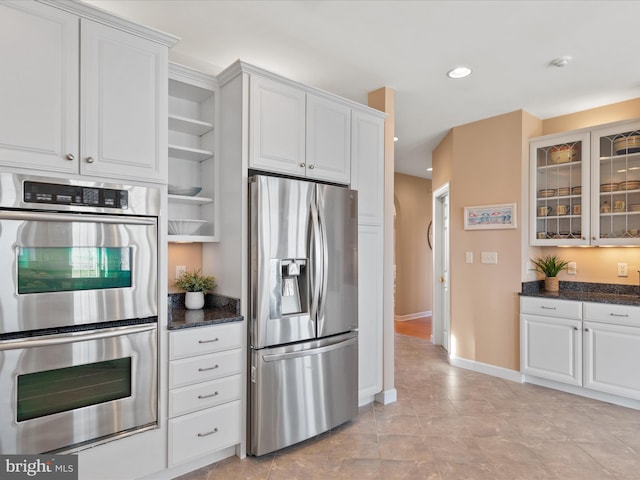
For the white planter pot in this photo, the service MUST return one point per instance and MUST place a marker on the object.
(194, 300)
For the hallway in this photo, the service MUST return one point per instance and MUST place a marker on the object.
(454, 424)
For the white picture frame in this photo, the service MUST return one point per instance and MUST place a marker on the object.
(491, 217)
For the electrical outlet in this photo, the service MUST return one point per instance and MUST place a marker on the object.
(180, 269)
(468, 257)
(489, 257)
(623, 270)
(572, 268)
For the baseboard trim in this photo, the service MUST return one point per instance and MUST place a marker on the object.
(584, 392)
(412, 316)
(386, 397)
(487, 369)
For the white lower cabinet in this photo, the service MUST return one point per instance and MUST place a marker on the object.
(551, 348)
(597, 347)
(205, 387)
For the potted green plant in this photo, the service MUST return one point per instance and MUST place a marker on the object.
(196, 285)
(550, 266)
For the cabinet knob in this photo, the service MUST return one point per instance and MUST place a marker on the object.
(593, 238)
(302, 164)
(71, 156)
(89, 159)
(441, 279)
(311, 167)
(586, 329)
(576, 328)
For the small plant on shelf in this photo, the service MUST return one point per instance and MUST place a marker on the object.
(550, 266)
(195, 282)
(196, 285)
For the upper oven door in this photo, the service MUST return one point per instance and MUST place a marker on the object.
(68, 269)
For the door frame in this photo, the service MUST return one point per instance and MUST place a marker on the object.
(441, 242)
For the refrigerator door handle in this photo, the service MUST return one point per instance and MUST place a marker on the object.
(316, 273)
(324, 254)
(313, 351)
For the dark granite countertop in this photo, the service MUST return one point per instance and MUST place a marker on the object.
(217, 309)
(586, 292)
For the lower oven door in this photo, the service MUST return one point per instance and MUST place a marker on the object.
(63, 391)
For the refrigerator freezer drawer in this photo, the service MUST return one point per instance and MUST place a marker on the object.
(300, 391)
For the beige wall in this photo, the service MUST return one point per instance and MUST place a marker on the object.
(414, 261)
(188, 254)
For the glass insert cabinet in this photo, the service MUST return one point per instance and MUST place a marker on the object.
(585, 187)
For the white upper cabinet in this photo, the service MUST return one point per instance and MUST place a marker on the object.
(123, 104)
(298, 133)
(585, 187)
(81, 97)
(328, 140)
(559, 174)
(277, 127)
(39, 87)
(615, 184)
(367, 165)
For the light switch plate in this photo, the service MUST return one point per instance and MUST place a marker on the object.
(468, 257)
(489, 257)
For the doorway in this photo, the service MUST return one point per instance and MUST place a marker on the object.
(441, 257)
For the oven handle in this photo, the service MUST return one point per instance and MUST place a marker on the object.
(73, 217)
(72, 337)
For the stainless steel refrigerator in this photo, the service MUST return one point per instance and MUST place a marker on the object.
(303, 312)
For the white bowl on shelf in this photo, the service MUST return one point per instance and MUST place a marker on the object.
(184, 226)
(186, 191)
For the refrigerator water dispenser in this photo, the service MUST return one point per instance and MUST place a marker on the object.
(293, 299)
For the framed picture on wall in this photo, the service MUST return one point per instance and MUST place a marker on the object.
(490, 217)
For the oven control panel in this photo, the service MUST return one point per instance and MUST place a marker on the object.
(56, 194)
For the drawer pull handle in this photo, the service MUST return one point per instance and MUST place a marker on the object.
(626, 315)
(547, 308)
(215, 430)
(204, 369)
(208, 396)
(209, 341)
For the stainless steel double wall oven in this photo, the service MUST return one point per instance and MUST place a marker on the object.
(78, 312)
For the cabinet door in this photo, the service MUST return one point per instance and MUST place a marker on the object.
(276, 127)
(367, 166)
(328, 146)
(612, 356)
(551, 348)
(38, 87)
(559, 186)
(615, 187)
(124, 105)
(370, 253)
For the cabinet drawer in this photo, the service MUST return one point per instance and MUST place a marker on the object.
(203, 395)
(204, 367)
(616, 314)
(196, 341)
(551, 307)
(199, 433)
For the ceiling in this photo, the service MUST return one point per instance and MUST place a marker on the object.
(350, 47)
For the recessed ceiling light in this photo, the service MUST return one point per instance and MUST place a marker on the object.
(459, 72)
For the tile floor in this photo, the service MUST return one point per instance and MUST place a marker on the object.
(450, 423)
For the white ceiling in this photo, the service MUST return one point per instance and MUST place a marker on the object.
(351, 47)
